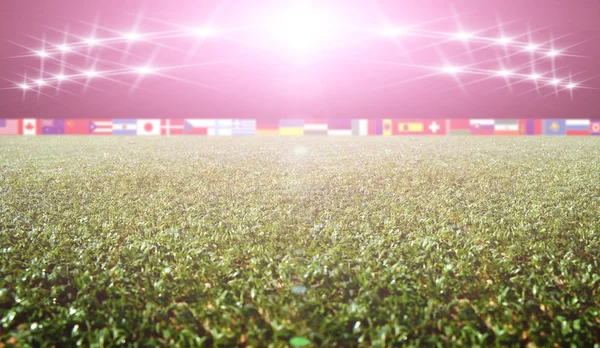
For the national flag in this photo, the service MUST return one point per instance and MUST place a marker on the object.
(435, 127)
(52, 126)
(29, 126)
(594, 127)
(148, 126)
(460, 127)
(360, 127)
(339, 124)
(530, 127)
(577, 127)
(9, 127)
(221, 127)
(100, 127)
(197, 126)
(77, 126)
(315, 127)
(336, 132)
(243, 127)
(291, 126)
(267, 128)
(481, 126)
(172, 126)
(554, 127)
(407, 127)
(387, 126)
(506, 127)
(375, 127)
(124, 126)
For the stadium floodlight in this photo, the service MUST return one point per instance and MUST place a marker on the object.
(504, 73)
(535, 76)
(60, 77)
(63, 48)
(91, 41)
(553, 53)
(302, 29)
(463, 36)
(132, 36)
(555, 82)
(451, 70)
(531, 47)
(504, 40)
(91, 73)
(203, 32)
(144, 70)
(40, 82)
(42, 54)
(24, 86)
(392, 32)
(571, 85)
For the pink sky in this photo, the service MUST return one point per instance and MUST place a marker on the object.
(249, 74)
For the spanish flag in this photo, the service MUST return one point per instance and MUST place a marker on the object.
(387, 126)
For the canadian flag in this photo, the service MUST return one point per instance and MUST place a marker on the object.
(148, 127)
(29, 126)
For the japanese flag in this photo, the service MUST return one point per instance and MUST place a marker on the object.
(148, 127)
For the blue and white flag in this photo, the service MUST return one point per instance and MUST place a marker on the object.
(244, 127)
(124, 126)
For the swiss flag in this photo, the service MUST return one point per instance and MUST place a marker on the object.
(435, 127)
(172, 126)
(29, 126)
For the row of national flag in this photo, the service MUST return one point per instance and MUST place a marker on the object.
(332, 127)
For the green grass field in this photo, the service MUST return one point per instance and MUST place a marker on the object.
(434, 241)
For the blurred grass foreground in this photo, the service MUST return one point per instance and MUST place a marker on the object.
(404, 241)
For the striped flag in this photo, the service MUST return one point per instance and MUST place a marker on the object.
(9, 127)
(481, 126)
(594, 127)
(291, 127)
(172, 126)
(360, 127)
(100, 127)
(506, 127)
(315, 127)
(530, 127)
(244, 127)
(221, 127)
(29, 126)
(339, 127)
(554, 127)
(460, 127)
(577, 127)
(197, 126)
(375, 127)
(267, 128)
(124, 126)
(148, 127)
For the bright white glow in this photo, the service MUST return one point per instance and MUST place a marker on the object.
(24, 86)
(91, 41)
(532, 47)
(132, 37)
(392, 32)
(60, 77)
(555, 82)
(553, 53)
(144, 70)
(302, 30)
(535, 76)
(91, 73)
(504, 73)
(42, 54)
(463, 36)
(40, 82)
(63, 48)
(204, 32)
(452, 70)
(504, 40)
(571, 86)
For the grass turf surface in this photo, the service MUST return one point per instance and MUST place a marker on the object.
(265, 241)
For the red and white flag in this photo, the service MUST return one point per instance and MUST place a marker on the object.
(29, 126)
(148, 127)
(172, 126)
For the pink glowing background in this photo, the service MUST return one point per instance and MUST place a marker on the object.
(355, 59)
